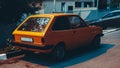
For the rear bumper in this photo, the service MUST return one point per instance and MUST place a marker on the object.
(33, 48)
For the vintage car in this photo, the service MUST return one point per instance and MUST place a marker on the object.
(55, 34)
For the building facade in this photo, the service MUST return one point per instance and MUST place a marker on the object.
(114, 3)
(81, 7)
(68, 5)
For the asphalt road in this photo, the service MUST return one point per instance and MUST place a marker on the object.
(105, 56)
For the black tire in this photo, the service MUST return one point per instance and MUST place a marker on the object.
(58, 52)
(96, 41)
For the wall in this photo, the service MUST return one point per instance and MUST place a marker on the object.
(49, 6)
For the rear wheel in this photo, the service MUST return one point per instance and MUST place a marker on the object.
(58, 52)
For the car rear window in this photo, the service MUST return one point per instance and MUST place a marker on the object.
(34, 24)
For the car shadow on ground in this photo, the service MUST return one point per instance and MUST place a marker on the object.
(72, 57)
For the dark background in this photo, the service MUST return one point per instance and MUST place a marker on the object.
(10, 13)
(11, 10)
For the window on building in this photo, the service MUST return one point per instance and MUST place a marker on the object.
(95, 1)
(63, 6)
(88, 4)
(77, 4)
(70, 9)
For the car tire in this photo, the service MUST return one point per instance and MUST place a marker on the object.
(58, 52)
(96, 41)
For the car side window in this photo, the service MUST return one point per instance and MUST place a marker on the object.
(75, 22)
(61, 23)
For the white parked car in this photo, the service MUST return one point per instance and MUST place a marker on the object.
(111, 19)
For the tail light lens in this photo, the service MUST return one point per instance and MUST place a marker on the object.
(13, 37)
(42, 40)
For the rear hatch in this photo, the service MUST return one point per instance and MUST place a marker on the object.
(31, 38)
(31, 31)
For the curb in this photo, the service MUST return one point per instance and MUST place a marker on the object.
(5, 56)
(110, 30)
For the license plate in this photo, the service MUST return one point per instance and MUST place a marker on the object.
(26, 39)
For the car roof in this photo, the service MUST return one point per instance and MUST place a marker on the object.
(115, 11)
(51, 15)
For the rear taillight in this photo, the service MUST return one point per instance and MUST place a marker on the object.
(42, 40)
(13, 37)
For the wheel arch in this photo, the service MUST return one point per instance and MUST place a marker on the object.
(96, 39)
(61, 44)
(98, 35)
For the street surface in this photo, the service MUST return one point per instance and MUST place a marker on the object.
(105, 56)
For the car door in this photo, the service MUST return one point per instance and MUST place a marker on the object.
(81, 32)
(61, 32)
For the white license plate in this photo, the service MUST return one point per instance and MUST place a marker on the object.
(26, 39)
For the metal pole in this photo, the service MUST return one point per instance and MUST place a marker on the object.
(97, 4)
(93, 3)
(54, 8)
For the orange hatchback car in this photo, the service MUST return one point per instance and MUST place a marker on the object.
(55, 34)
